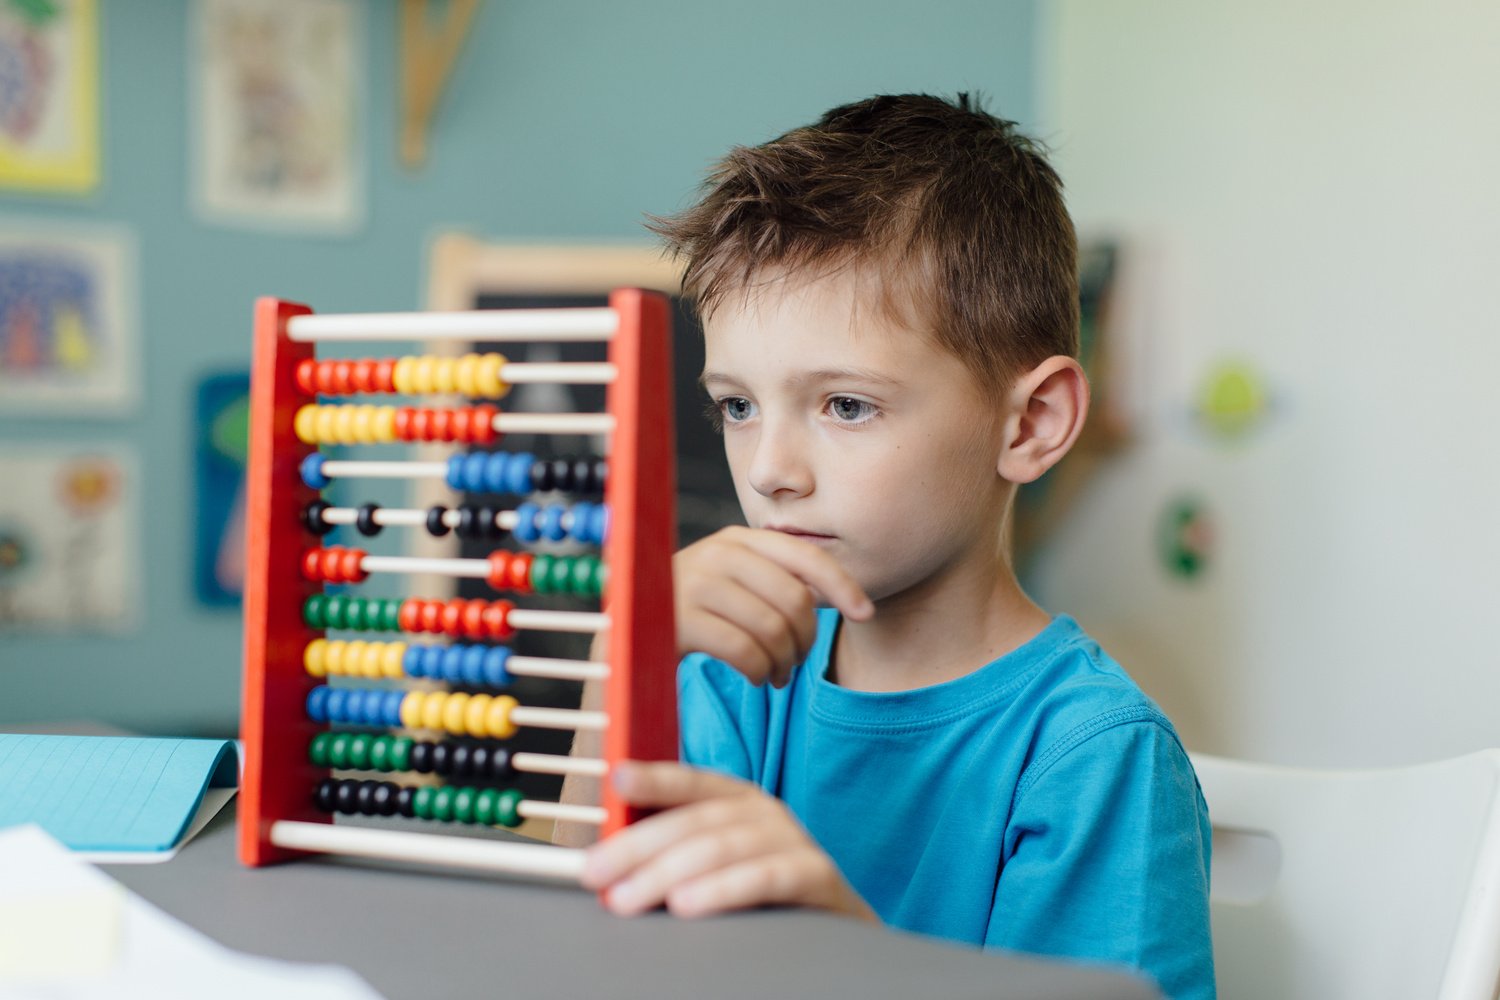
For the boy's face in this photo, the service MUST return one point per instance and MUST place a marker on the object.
(856, 434)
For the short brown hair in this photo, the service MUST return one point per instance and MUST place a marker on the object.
(959, 213)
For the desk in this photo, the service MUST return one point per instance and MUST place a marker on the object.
(413, 933)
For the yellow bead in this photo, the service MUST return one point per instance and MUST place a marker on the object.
(411, 710)
(333, 659)
(453, 713)
(393, 660)
(385, 424)
(474, 715)
(327, 424)
(421, 374)
(312, 658)
(464, 370)
(432, 710)
(305, 423)
(444, 375)
(370, 663)
(488, 376)
(497, 722)
(401, 375)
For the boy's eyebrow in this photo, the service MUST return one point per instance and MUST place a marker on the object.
(817, 375)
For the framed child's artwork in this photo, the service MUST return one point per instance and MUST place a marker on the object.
(49, 96)
(68, 326)
(221, 421)
(275, 86)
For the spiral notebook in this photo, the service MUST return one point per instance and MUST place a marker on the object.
(113, 798)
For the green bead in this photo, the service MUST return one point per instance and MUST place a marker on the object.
(359, 752)
(442, 804)
(355, 617)
(421, 802)
(338, 750)
(334, 608)
(317, 751)
(541, 573)
(484, 806)
(580, 580)
(401, 753)
(390, 620)
(314, 613)
(463, 805)
(507, 808)
(380, 753)
(601, 579)
(560, 574)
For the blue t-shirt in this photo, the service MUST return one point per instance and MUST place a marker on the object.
(1041, 803)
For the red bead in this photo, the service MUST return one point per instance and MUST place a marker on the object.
(520, 573)
(385, 375)
(453, 616)
(482, 427)
(343, 373)
(307, 376)
(497, 620)
(474, 620)
(362, 375)
(442, 425)
(328, 564)
(432, 616)
(410, 617)
(499, 573)
(312, 565)
(350, 568)
(402, 424)
(421, 424)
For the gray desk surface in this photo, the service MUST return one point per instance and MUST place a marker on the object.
(420, 933)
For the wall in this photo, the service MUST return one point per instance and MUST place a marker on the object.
(1310, 187)
(563, 121)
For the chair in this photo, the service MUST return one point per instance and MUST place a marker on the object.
(1362, 885)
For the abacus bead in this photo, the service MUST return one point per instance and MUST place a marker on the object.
(344, 796)
(441, 757)
(338, 750)
(490, 477)
(312, 517)
(429, 617)
(454, 476)
(500, 767)
(317, 703)
(459, 760)
(350, 569)
(562, 473)
(582, 475)
(508, 808)
(484, 806)
(421, 756)
(541, 573)
(323, 795)
(393, 708)
(474, 469)
(390, 617)
(411, 710)
(312, 471)
(463, 805)
(600, 578)
(434, 710)
(421, 802)
(484, 522)
(354, 614)
(312, 565)
(598, 524)
(465, 527)
(601, 474)
(541, 476)
(518, 473)
(307, 376)
(497, 620)
(338, 705)
(495, 672)
(474, 619)
(498, 724)
(364, 522)
(551, 526)
(578, 527)
(526, 529)
(452, 616)
(364, 797)
(442, 804)
(317, 750)
(380, 753)
(520, 573)
(374, 708)
(402, 748)
(482, 427)
(472, 668)
(359, 752)
(478, 762)
(384, 798)
(313, 612)
(405, 799)
(580, 581)
(411, 663)
(559, 575)
(476, 710)
(335, 610)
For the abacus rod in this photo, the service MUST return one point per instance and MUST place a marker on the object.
(480, 324)
(557, 621)
(573, 372)
(408, 517)
(543, 809)
(554, 423)
(558, 718)
(385, 470)
(568, 670)
(561, 864)
(551, 763)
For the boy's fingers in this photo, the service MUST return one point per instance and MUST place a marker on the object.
(661, 784)
(649, 885)
(746, 610)
(781, 590)
(784, 877)
(814, 567)
(620, 856)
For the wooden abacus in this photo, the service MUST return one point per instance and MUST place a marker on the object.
(288, 794)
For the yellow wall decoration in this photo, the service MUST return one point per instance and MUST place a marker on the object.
(49, 106)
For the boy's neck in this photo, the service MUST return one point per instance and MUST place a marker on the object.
(937, 634)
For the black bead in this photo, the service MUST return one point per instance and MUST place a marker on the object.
(500, 768)
(421, 756)
(541, 475)
(404, 799)
(435, 526)
(323, 795)
(562, 474)
(484, 523)
(601, 475)
(465, 527)
(442, 756)
(460, 760)
(384, 798)
(365, 522)
(345, 794)
(312, 517)
(364, 797)
(583, 475)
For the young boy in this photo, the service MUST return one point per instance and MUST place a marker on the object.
(890, 309)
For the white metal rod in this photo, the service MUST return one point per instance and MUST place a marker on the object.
(568, 670)
(561, 864)
(558, 621)
(506, 520)
(386, 470)
(551, 763)
(573, 372)
(543, 809)
(476, 569)
(480, 324)
(554, 423)
(558, 718)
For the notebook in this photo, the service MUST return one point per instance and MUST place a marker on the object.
(114, 798)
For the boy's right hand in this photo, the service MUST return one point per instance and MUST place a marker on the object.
(747, 596)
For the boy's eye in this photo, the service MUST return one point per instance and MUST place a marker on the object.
(730, 410)
(850, 410)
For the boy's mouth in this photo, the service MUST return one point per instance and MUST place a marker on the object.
(795, 532)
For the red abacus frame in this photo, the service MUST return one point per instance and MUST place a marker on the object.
(640, 692)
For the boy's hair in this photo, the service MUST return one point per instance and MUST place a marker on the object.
(957, 213)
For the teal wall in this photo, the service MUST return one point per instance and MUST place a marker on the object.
(564, 120)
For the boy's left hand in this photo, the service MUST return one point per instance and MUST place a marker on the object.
(720, 844)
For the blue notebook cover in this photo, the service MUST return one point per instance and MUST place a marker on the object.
(110, 793)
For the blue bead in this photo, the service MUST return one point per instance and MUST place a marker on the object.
(455, 475)
(473, 665)
(312, 471)
(375, 707)
(552, 516)
(411, 662)
(474, 472)
(598, 524)
(526, 526)
(452, 663)
(580, 527)
(432, 661)
(494, 472)
(518, 472)
(354, 707)
(392, 712)
(317, 703)
(495, 672)
(338, 705)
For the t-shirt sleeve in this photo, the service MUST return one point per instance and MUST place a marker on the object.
(1107, 856)
(710, 712)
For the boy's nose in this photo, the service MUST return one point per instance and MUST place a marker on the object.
(778, 467)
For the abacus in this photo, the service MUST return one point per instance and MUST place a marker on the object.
(441, 710)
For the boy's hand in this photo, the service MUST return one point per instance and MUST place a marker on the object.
(747, 596)
(722, 844)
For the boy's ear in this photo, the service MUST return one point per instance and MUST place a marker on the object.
(1047, 407)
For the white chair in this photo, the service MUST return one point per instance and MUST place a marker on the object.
(1356, 885)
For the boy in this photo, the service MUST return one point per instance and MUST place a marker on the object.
(890, 312)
